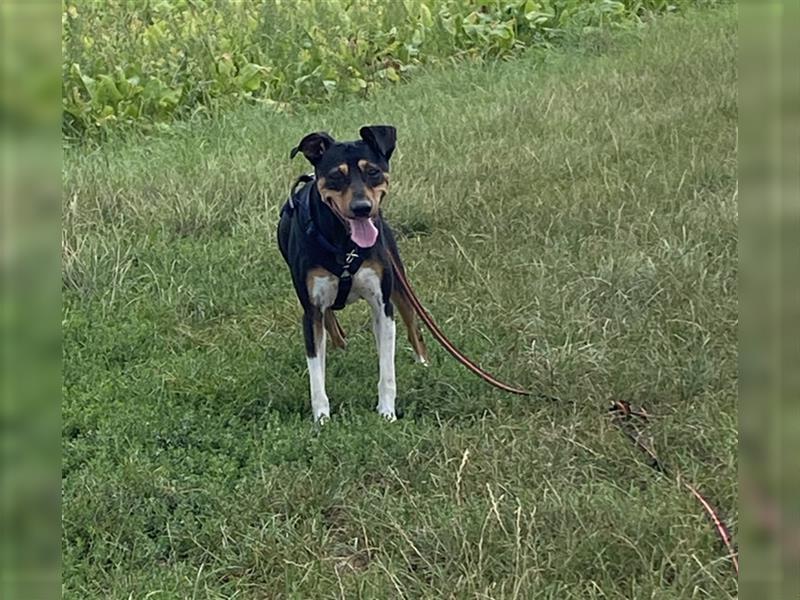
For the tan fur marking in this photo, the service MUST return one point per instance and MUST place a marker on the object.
(340, 200)
(364, 164)
(409, 317)
(335, 330)
(375, 265)
(344, 168)
(338, 336)
(376, 194)
(314, 273)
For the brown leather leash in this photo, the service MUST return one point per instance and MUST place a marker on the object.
(623, 412)
(442, 339)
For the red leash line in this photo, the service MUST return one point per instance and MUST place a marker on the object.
(722, 530)
(442, 339)
(625, 411)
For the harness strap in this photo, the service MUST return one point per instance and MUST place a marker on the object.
(342, 262)
(352, 262)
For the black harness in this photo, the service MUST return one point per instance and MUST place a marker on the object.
(342, 261)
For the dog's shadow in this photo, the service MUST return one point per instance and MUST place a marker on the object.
(442, 391)
(423, 395)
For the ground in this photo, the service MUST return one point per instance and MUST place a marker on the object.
(570, 220)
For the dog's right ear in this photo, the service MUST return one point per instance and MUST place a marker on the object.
(313, 146)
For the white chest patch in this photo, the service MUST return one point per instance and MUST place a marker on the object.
(323, 291)
(366, 285)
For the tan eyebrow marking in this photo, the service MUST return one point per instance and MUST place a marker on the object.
(364, 164)
(344, 168)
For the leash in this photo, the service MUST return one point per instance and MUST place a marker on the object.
(442, 339)
(623, 413)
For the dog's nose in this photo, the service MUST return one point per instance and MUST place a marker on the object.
(361, 207)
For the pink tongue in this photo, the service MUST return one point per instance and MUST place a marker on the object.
(363, 232)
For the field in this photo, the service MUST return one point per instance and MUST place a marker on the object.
(569, 218)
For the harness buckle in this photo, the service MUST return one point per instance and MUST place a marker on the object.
(350, 257)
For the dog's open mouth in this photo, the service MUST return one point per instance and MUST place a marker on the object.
(363, 232)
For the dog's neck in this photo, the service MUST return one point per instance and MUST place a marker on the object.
(326, 221)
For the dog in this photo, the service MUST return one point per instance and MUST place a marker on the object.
(339, 248)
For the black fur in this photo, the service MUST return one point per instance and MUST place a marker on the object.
(324, 153)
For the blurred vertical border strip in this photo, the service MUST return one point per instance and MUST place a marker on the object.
(769, 167)
(30, 101)
(789, 540)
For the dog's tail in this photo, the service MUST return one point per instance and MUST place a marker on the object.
(335, 331)
(408, 292)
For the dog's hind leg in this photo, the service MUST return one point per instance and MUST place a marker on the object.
(338, 336)
(400, 300)
(314, 334)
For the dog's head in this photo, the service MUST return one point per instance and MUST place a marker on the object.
(352, 177)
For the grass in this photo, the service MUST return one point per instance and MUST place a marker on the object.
(570, 219)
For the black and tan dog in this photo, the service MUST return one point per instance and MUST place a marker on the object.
(338, 245)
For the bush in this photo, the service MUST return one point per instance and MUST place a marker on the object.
(149, 62)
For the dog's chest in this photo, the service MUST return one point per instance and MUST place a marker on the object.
(366, 285)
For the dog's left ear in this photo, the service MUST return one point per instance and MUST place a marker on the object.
(382, 138)
(313, 146)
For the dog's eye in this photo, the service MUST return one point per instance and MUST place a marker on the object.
(336, 178)
(373, 173)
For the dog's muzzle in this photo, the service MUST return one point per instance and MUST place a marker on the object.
(361, 207)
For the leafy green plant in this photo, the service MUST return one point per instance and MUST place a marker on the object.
(152, 61)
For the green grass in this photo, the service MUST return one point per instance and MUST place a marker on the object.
(571, 222)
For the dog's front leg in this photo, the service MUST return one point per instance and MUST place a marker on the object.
(384, 329)
(314, 334)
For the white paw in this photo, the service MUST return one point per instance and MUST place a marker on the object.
(322, 418)
(420, 360)
(387, 414)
